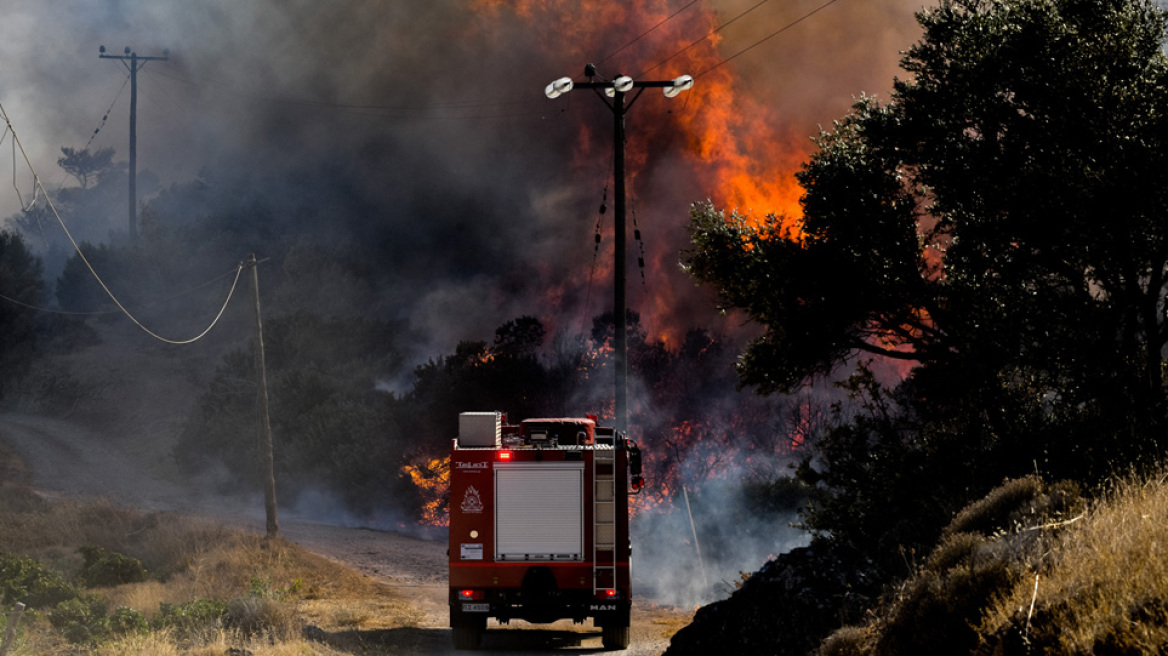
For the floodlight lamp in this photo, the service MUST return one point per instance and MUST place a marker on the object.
(101, 50)
(558, 87)
(622, 83)
(127, 50)
(683, 83)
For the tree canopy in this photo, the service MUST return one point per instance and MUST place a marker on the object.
(999, 224)
(20, 289)
(1007, 206)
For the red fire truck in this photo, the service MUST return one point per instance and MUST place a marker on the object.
(539, 524)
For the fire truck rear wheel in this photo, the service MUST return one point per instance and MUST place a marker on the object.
(615, 637)
(467, 636)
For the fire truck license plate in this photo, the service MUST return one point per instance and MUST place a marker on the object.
(476, 608)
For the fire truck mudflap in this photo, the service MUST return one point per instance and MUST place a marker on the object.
(539, 525)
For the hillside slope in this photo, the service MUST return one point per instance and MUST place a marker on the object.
(1031, 568)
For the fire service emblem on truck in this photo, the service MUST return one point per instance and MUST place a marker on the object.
(471, 501)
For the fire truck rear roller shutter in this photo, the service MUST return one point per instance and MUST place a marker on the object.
(539, 511)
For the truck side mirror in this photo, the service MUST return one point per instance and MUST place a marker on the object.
(635, 467)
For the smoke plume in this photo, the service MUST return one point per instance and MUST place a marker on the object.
(420, 130)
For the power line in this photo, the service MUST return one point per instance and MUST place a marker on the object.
(105, 116)
(168, 299)
(35, 181)
(419, 111)
(646, 32)
(53, 208)
(744, 50)
(712, 33)
(49, 310)
(370, 109)
(769, 37)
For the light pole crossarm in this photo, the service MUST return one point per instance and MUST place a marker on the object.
(636, 84)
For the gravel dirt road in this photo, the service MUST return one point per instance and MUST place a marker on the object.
(71, 461)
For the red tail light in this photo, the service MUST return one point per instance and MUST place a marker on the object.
(505, 456)
(470, 595)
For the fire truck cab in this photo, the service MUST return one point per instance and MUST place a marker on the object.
(539, 519)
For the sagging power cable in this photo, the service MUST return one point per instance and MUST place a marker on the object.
(647, 32)
(707, 36)
(747, 48)
(49, 202)
(768, 37)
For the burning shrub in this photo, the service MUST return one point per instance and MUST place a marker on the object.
(431, 478)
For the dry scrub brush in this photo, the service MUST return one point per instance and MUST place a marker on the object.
(1044, 577)
(987, 550)
(1105, 591)
(262, 592)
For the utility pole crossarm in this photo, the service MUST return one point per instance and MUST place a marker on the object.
(134, 57)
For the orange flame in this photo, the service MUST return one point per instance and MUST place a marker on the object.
(739, 159)
(431, 476)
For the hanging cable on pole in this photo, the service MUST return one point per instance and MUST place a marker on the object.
(53, 208)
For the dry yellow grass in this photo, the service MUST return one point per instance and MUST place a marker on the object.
(1072, 581)
(671, 624)
(163, 644)
(277, 585)
(1106, 586)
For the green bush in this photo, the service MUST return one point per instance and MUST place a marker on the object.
(125, 620)
(23, 579)
(192, 617)
(81, 619)
(104, 568)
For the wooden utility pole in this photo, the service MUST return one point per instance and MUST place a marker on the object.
(10, 634)
(136, 63)
(265, 424)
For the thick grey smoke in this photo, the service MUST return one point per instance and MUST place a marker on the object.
(415, 135)
(421, 130)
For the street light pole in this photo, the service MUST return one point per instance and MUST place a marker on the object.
(617, 89)
(620, 266)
